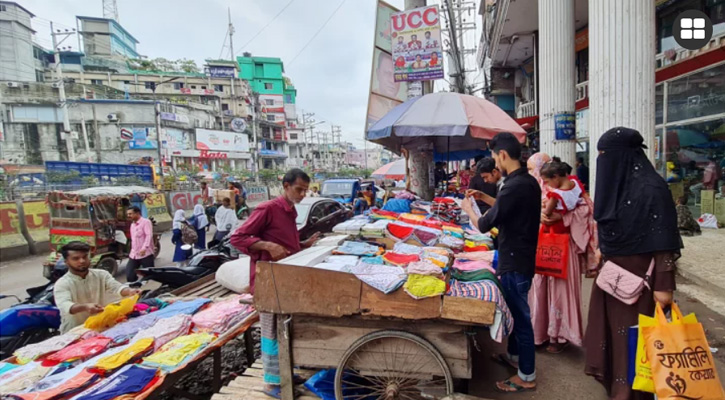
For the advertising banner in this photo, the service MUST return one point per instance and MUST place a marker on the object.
(222, 141)
(141, 139)
(383, 82)
(416, 42)
(377, 108)
(176, 139)
(382, 25)
(220, 72)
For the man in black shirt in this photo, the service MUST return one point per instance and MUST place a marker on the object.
(582, 172)
(516, 212)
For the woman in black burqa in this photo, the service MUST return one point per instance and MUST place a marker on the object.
(637, 222)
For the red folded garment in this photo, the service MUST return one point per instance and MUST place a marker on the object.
(400, 232)
(386, 213)
(445, 200)
(425, 237)
(400, 260)
(482, 247)
(81, 350)
(432, 223)
(410, 221)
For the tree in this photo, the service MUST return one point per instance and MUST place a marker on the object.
(269, 175)
(366, 172)
(187, 65)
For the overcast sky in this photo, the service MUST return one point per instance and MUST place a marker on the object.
(332, 74)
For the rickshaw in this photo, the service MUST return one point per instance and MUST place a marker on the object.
(97, 216)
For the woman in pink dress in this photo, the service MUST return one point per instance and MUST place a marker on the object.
(556, 303)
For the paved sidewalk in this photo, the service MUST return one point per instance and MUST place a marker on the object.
(703, 259)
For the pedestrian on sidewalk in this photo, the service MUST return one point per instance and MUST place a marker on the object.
(142, 243)
(637, 223)
(516, 213)
(556, 303)
(270, 234)
(226, 220)
(177, 238)
(199, 221)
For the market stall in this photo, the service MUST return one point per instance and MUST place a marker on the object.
(388, 303)
(152, 344)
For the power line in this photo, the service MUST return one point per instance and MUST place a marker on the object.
(244, 46)
(317, 33)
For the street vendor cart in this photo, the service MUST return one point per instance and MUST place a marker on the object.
(384, 345)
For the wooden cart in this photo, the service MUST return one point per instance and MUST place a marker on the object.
(389, 346)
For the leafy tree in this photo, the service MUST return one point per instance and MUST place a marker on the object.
(269, 175)
(365, 173)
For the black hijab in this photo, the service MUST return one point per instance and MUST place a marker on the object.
(633, 206)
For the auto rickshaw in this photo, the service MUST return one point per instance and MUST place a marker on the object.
(97, 216)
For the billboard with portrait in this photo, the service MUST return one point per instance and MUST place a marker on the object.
(378, 106)
(221, 141)
(383, 82)
(416, 42)
(382, 25)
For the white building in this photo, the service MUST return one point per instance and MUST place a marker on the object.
(17, 54)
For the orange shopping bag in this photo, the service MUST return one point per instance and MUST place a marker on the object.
(552, 254)
(682, 364)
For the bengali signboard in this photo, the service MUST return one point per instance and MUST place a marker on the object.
(176, 139)
(416, 42)
(565, 126)
(220, 72)
(221, 141)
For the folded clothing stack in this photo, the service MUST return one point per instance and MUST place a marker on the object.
(385, 278)
(130, 379)
(464, 265)
(361, 249)
(398, 259)
(420, 207)
(423, 286)
(60, 385)
(178, 351)
(424, 267)
(80, 350)
(446, 209)
(166, 330)
(22, 377)
(404, 248)
(375, 230)
(451, 242)
(413, 219)
(378, 214)
(350, 227)
(33, 351)
(338, 263)
(222, 315)
(487, 290)
(135, 351)
(399, 231)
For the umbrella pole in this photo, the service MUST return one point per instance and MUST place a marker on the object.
(407, 170)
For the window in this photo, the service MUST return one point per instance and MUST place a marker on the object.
(150, 85)
(37, 53)
(269, 86)
(39, 76)
(218, 88)
(288, 98)
(258, 70)
(203, 87)
(96, 81)
(293, 136)
(193, 86)
(3, 8)
(269, 102)
(225, 106)
(270, 118)
(178, 85)
(126, 82)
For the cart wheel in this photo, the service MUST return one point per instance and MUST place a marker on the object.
(109, 264)
(392, 365)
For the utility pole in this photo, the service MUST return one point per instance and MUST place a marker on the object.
(85, 138)
(61, 87)
(231, 35)
(157, 111)
(255, 153)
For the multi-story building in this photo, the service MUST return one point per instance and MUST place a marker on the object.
(107, 38)
(19, 56)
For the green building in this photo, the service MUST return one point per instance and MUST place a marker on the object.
(264, 74)
(290, 93)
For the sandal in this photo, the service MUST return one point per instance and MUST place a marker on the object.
(517, 388)
(504, 360)
(556, 348)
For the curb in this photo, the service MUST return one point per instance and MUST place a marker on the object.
(688, 271)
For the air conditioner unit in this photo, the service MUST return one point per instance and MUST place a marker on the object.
(55, 85)
(112, 117)
(13, 84)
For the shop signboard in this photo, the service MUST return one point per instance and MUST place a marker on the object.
(141, 139)
(220, 72)
(565, 126)
(176, 139)
(167, 116)
(238, 125)
(207, 139)
(416, 43)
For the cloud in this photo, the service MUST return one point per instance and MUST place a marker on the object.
(332, 75)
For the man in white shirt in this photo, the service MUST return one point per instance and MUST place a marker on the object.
(225, 218)
(430, 43)
(83, 291)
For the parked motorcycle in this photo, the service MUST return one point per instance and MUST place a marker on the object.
(32, 320)
(201, 264)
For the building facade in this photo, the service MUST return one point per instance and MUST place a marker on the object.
(18, 54)
(106, 38)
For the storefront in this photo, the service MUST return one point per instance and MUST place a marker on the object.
(210, 160)
(690, 148)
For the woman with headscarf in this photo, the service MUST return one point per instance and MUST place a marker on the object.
(180, 255)
(637, 223)
(199, 221)
(556, 303)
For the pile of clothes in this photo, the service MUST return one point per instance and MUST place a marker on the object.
(351, 226)
(446, 208)
(223, 315)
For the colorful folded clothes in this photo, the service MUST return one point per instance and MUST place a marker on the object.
(6, 366)
(475, 276)
(178, 351)
(451, 242)
(436, 259)
(433, 223)
(375, 230)
(378, 260)
(398, 231)
(453, 231)
(398, 259)
(404, 248)
(350, 227)
(222, 315)
(397, 205)
(413, 219)
(59, 386)
(130, 379)
(472, 246)
(423, 286)
(424, 268)
(420, 207)
(439, 250)
(383, 214)
(487, 256)
(81, 350)
(487, 290)
(358, 249)
(134, 351)
(31, 352)
(111, 314)
(165, 330)
(464, 265)
(20, 378)
(426, 236)
(385, 278)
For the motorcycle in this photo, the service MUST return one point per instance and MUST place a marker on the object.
(32, 320)
(201, 264)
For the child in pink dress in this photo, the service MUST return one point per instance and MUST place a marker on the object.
(564, 195)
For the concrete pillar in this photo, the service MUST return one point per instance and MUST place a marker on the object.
(557, 75)
(621, 71)
(421, 165)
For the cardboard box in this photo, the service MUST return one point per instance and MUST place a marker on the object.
(220, 194)
(719, 211)
(707, 202)
(677, 189)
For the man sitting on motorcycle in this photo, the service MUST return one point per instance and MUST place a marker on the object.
(82, 291)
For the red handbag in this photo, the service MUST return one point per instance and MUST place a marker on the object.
(552, 254)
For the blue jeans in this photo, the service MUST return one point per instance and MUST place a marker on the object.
(521, 342)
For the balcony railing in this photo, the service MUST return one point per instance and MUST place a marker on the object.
(582, 91)
(672, 56)
(526, 110)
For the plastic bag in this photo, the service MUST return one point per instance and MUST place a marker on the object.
(642, 365)
(235, 275)
(707, 221)
(682, 364)
(552, 254)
